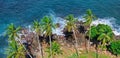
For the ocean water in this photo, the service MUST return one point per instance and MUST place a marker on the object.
(23, 12)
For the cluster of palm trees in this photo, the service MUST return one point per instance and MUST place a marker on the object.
(16, 47)
(45, 27)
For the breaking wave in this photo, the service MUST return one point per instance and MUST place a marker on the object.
(106, 20)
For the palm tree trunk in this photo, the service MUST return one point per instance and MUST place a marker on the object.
(96, 50)
(50, 46)
(86, 45)
(88, 48)
(116, 56)
(76, 43)
(40, 46)
(42, 51)
(25, 49)
(89, 40)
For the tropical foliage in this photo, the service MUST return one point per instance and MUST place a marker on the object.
(100, 35)
(48, 25)
(71, 27)
(101, 31)
(55, 49)
(71, 22)
(37, 27)
(12, 31)
(89, 17)
(15, 50)
(114, 47)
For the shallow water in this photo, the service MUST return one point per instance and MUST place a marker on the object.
(23, 12)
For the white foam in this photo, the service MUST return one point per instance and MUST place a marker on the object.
(58, 31)
(80, 18)
(62, 22)
(3, 34)
(116, 33)
(107, 21)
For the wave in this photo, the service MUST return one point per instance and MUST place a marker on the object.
(62, 22)
(106, 20)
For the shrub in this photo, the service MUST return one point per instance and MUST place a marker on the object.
(114, 47)
(96, 31)
(55, 49)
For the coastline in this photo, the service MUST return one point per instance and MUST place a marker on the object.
(62, 23)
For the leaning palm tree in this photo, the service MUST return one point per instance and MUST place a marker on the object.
(12, 33)
(105, 39)
(89, 17)
(37, 28)
(71, 26)
(15, 51)
(48, 25)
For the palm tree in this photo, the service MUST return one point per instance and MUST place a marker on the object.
(12, 31)
(37, 28)
(15, 51)
(71, 26)
(48, 25)
(105, 39)
(89, 17)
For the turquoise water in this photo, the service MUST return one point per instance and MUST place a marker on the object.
(23, 12)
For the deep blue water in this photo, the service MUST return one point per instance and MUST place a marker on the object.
(23, 12)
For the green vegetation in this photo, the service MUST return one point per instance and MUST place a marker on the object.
(89, 17)
(32, 45)
(93, 55)
(98, 30)
(102, 33)
(12, 32)
(14, 50)
(115, 47)
(55, 49)
(71, 26)
(48, 25)
(88, 55)
(73, 56)
(37, 27)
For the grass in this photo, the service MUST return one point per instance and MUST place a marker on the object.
(68, 53)
(89, 55)
(93, 55)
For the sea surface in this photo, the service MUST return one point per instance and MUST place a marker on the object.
(23, 12)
